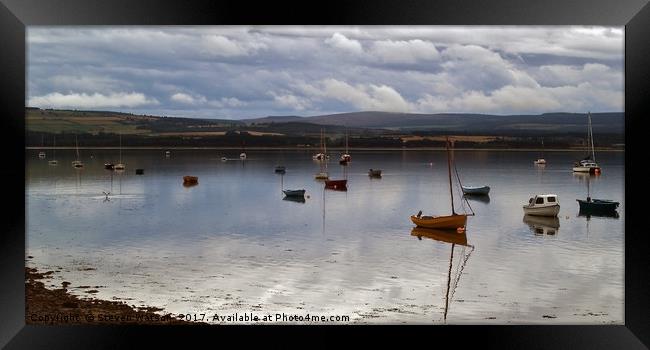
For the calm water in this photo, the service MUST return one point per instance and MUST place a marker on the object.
(232, 244)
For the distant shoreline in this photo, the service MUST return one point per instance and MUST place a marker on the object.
(333, 149)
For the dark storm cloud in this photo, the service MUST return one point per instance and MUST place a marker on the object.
(239, 72)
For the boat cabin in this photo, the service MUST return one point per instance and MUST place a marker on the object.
(543, 199)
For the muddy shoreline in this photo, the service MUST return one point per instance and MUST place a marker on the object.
(58, 307)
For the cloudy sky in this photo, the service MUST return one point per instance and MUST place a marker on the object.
(239, 72)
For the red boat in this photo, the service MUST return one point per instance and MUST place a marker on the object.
(336, 184)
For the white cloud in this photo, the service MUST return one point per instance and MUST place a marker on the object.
(187, 99)
(411, 51)
(340, 41)
(219, 45)
(362, 96)
(227, 102)
(95, 100)
(291, 101)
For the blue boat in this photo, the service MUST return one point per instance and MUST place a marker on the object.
(597, 205)
(482, 190)
(294, 193)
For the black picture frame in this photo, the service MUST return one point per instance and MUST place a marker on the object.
(15, 15)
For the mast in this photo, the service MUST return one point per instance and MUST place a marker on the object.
(76, 146)
(54, 148)
(120, 148)
(451, 192)
(346, 142)
(591, 133)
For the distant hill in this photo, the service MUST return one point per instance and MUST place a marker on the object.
(366, 129)
(547, 123)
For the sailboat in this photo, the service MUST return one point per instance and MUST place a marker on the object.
(588, 164)
(596, 206)
(41, 154)
(120, 165)
(322, 155)
(340, 185)
(454, 239)
(53, 161)
(77, 163)
(541, 160)
(242, 155)
(454, 221)
(345, 157)
(322, 174)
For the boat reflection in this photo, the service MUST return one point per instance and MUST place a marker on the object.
(454, 238)
(589, 214)
(542, 225)
(483, 198)
(294, 199)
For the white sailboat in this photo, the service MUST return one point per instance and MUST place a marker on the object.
(77, 163)
(345, 157)
(120, 165)
(53, 161)
(541, 160)
(588, 164)
(322, 157)
(41, 154)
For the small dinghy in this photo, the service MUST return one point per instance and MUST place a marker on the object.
(476, 190)
(109, 166)
(294, 193)
(340, 185)
(190, 180)
(597, 205)
(374, 172)
(280, 169)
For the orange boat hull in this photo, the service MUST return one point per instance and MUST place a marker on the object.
(440, 222)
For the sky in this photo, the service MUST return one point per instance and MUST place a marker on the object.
(238, 72)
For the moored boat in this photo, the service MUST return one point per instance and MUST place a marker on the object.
(294, 193)
(109, 166)
(454, 221)
(280, 169)
(476, 190)
(190, 180)
(336, 184)
(597, 205)
(374, 172)
(543, 205)
(588, 164)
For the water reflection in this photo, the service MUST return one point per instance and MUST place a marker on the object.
(542, 225)
(294, 199)
(483, 198)
(455, 238)
(588, 214)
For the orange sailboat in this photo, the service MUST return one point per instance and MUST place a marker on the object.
(454, 221)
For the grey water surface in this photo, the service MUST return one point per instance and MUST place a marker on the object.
(232, 243)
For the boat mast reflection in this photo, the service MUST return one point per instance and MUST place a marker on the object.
(455, 238)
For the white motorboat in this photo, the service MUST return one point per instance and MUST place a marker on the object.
(543, 205)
